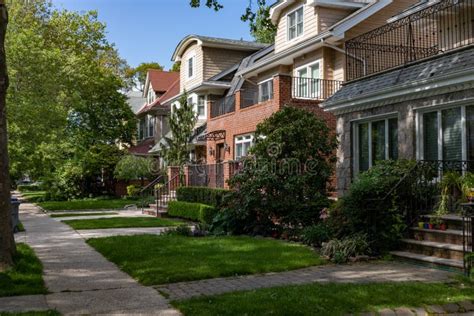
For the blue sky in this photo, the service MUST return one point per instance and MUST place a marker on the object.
(149, 30)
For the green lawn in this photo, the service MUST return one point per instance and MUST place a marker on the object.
(121, 222)
(43, 313)
(326, 299)
(156, 260)
(83, 214)
(86, 204)
(33, 196)
(26, 276)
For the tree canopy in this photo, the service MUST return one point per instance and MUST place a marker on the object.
(137, 75)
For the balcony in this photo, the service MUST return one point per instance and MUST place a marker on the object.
(415, 35)
(314, 89)
(223, 106)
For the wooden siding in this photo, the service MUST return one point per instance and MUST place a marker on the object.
(216, 60)
(327, 17)
(185, 83)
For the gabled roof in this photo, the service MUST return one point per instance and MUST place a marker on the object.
(135, 100)
(143, 147)
(172, 92)
(214, 42)
(161, 80)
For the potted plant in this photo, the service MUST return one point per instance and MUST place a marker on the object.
(421, 225)
(443, 226)
(436, 221)
(426, 225)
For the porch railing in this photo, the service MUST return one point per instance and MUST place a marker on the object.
(314, 89)
(212, 175)
(438, 28)
(223, 106)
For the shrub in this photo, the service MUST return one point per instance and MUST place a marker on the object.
(29, 188)
(340, 250)
(132, 190)
(315, 235)
(192, 211)
(365, 210)
(209, 196)
(181, 230)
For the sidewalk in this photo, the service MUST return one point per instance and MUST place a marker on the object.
(80, 280)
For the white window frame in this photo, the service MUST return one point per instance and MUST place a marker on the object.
(151, 95)
(204, 116)
(150, 122)
(420, 152)
(308, 72)
(243, 141)
(296, 25)
(355, 137)
(260, 84)
(193, 58)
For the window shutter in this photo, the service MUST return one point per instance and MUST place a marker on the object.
(452, 134)
(430, 136)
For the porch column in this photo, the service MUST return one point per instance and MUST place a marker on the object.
(282, 89)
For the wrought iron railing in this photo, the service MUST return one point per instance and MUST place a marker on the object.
(468, 241)
(167, 192)
(148, 193)
(212, 175)
(441, 27)
(223, 106)
(314, 89)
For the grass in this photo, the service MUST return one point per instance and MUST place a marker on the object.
(326, 299)
(86, 204)
(154, 260)
(21, 228)
(33, 196)
(83, 214)
(42, 313)
(25, 278)
(121, 222)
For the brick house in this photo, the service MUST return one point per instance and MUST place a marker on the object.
(305, 66)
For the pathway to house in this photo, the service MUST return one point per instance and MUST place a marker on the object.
(81, 281)
(356, 273)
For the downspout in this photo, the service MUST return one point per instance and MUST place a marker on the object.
(364, 63)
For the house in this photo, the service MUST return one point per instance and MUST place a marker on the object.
(205, 76)
(410, 95)
(304, 67)
(152, 116)
(409, 90)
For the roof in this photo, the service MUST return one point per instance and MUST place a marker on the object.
(161, 80)
(215, 42)
(143, 147)
(426, 72)
(172, 92)
(135, 100)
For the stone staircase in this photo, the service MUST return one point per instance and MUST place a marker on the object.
(160, 208)
(435, 248)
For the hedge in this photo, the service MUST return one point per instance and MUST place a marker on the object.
(202, 195)
(29, 188)
(192, 211)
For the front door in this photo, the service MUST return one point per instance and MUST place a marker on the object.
(220, 153)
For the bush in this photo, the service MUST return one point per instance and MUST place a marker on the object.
(181, 230)
(132, 190)
(315, 235)
(365, 210)
(193, 211)
(29, 188)
(340, 250)
(209, 196)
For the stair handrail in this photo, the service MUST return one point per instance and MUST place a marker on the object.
(152, 183)
(160, 192)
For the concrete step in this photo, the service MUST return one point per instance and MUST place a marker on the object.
(434, 262)
(152, 212)
(434, 249)
(450, 236)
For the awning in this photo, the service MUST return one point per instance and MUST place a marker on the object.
(214, 136)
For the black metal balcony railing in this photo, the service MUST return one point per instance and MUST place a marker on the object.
(315, 89)
(441, 27)
(223, 106)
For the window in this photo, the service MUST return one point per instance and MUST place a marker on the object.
(265, 90)
(295, 24)
(374, 141)
(151, 126)
(242, 145)
(447, 134)
(191, 67)
(151, 95)
(141, 129)
(201, 106)
(307, 82)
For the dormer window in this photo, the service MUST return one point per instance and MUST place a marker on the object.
(190, 67)
(295, 23)
(151, 95)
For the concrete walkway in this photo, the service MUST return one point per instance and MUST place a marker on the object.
(356, 273)
(109, 232)
(81, 281)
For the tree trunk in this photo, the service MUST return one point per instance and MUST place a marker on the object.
(7, 242)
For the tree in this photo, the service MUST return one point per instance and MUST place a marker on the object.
(182, 122)
(176, 67)
(7, 242)
(137, 75)
(132, 167)
(261, 26)
(287, 177)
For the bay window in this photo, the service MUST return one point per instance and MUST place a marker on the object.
(307, 83)
(295, 23)
(242, 145)
(446, 134)
(374, 141)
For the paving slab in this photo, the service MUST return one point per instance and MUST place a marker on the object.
(23, 303)
(81, 280)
